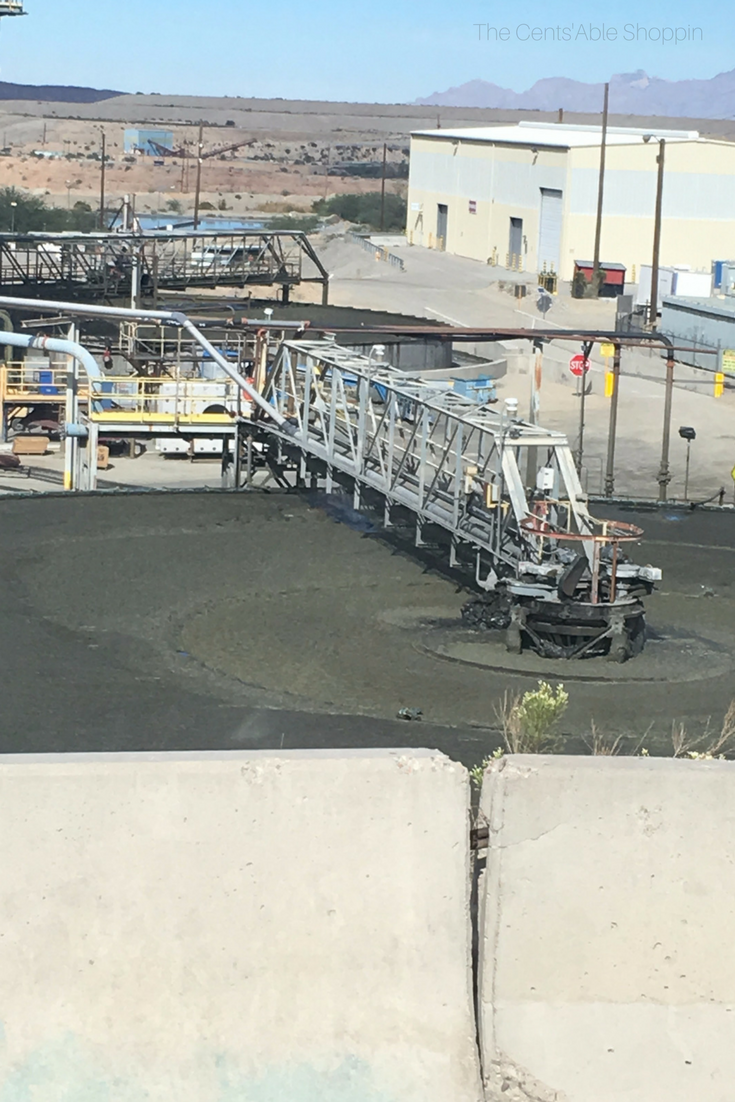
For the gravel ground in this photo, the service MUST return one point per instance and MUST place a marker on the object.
(227, 621)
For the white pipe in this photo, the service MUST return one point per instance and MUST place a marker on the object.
(173, 318)
(52, 344)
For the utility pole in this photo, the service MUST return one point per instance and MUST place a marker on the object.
(600, 194)
(198, 192)
(382, 190)
(102, 182)
(653, 314)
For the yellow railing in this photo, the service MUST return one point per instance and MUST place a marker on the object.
(125, 399)
(26, 384)
(166, 401)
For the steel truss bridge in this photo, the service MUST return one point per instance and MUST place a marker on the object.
(557, 575)
(137, 266)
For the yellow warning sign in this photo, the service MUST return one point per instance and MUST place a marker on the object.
(728, 361)
(607, 350)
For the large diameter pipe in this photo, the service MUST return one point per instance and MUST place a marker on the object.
(51, 344)
(157, 316)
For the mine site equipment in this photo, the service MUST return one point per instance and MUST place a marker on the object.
(555, 578)
(104, 265)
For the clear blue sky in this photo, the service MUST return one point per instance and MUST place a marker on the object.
(385, 50)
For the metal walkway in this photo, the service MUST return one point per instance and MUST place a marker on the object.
(505, 493)
(139, 265)
(419, 445)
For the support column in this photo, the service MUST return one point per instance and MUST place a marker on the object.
(534, 409)
(612, 430)
(71, 415)
(664, 474)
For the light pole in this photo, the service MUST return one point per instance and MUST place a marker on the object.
(13, 207)
(68, 194)
(687, 433)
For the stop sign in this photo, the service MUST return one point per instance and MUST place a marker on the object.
(579, 365)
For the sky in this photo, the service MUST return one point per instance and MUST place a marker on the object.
(385, 51)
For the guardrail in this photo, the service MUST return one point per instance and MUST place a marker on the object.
(174, 402)
(380, 252)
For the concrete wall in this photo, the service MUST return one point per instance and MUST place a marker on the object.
(608, 916)
(235, 927)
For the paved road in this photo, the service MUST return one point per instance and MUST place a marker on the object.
(223, 621)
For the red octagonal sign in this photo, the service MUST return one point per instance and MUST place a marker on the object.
(579, 365)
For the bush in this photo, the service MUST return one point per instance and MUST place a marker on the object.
(528, 724)
(30, 214)
(307, 223)
(365, 210)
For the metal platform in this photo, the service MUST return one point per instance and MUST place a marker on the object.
(137, 266)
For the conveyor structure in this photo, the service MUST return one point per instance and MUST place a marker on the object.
(138, 266)
(552, 576)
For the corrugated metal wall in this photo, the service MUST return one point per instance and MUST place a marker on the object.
(704, 323)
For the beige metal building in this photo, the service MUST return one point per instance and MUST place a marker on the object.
(526, 196)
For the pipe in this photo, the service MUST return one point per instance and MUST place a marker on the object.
(52, 344)
(610, 471)
(156, 316)
(664, 474)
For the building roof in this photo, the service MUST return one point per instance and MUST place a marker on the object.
(608, 266)
(721, 306)
(559, 135)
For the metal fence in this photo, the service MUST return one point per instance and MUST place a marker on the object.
(380, 252)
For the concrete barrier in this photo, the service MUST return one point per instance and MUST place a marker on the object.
(236, 927)
(607, 921)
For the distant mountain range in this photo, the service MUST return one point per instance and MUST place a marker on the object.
(630, 94)
(51, 93)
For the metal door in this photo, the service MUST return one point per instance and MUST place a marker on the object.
(549, 234)
(441, 225)
(515, 244)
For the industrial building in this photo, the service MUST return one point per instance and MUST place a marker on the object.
(525, 196)
(705, 330)
(148, 142)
